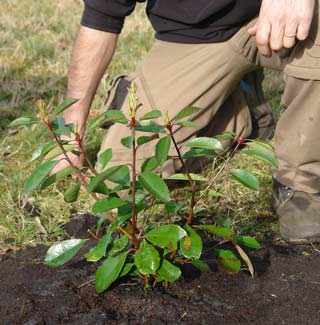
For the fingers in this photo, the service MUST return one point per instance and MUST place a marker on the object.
(262, 38)
(253, 30)
(303, 29)
(289, 38)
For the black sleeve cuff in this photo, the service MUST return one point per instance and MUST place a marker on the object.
(97, 20)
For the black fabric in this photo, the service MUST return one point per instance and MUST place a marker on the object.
(180, 21)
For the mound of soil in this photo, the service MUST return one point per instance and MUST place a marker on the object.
(285, 291)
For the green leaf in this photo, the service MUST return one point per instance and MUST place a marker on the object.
(225, 136)
(263, 155)
(191, 245)
(65, 104)
(204, 267)
(107, 204)
(127, 142)
(172, 207)
(145, 139)
(38, 176)
(151, 115)
(109, 271)
(248, 241)
(126, 269)
(43, 150)
(71, 194)
(119, 175)
(150, 126)
(99, 251)
(62, 252)
(218, 231)
(196, 153)
(104, 158)
(186, 124)
(169, 272)
(227, 260)
(119, 245)
(55, 152)
(214, 193)
(24, 121)
(259, 145)
(147, 258)
(162, 150)
(111, 115)
(155, 185)
(56, 177)
(150, 164)
(246, 178)
(165, 235)
(186, 112)
(205, 143)
(183, 177)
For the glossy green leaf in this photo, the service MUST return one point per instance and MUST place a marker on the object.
(172, 207)
(150, 126)
(248, 241)
(205, 143)
(202, 266)
(259, 145)
(246, 178)
(111, 115)
(263, 155)
(225, 136)
(56, 177)
(24, 121)
(38, 176)
(107, 204)
(71, 194)
(155, 185)
(186, 112)
(109, 271)
(126, 269)
(164, 235)
(65, 104)
(104, 158)
(218, 231)
(196, 153)
(186, 124)
(151, 115)
(119, 245)
(43, 150)
(191, 245)
(99, 251)
(169, 272)
(150, 164)
(227, 260)
(145, 139)
(147, 258)
(100, 178)
(55, 152)
(62, 252)
(127, 142)
(184, 177)
(119, 175)
(162, 150)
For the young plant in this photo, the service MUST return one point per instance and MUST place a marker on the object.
(130, 244)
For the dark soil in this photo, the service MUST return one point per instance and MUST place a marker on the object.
(286, 290)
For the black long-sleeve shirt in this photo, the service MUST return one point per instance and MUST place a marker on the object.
(180, 21)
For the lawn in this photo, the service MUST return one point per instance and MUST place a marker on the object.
(35, 46)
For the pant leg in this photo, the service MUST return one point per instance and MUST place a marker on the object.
(297, 138)
(174, 76)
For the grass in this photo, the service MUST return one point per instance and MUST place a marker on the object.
(36, 39)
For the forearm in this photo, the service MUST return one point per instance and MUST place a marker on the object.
(92, 53)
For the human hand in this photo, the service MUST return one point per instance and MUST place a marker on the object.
(76, 161)
(280, 23)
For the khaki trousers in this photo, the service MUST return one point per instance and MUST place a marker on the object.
(174, 76)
